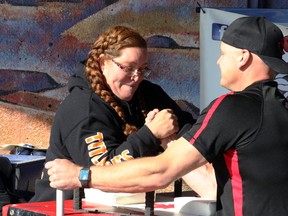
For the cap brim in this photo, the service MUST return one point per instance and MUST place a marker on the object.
(278, 65)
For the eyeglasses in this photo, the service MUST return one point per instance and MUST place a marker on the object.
(133, 71)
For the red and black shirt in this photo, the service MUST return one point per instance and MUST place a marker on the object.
(245, 135)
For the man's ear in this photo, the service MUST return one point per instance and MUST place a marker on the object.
(244, 57)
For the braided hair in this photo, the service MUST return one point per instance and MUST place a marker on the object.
(110, 43)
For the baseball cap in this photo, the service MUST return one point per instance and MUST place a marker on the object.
(260, 37)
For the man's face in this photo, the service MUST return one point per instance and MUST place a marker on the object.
(228, 64)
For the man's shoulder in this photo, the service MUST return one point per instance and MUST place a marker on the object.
(238, 102)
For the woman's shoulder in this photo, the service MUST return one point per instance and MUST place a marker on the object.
(149, 86)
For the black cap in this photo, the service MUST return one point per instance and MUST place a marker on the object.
(260, 37)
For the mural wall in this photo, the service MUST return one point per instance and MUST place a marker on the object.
(42, 41)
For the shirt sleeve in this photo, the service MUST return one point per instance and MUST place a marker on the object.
(156, 97)
(101, 137)
(230, 121)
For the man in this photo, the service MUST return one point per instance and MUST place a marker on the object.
(243, 133)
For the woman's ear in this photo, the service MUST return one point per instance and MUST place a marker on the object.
(101, 59)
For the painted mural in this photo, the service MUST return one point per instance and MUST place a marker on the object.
(43, 41)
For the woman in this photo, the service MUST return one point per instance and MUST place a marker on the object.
(102, 120)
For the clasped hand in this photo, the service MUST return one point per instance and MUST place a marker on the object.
(163, 124)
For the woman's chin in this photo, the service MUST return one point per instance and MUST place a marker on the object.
(126, 97)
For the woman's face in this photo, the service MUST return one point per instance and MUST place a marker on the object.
(122, 83)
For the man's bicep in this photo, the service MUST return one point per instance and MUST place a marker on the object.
(184, 157)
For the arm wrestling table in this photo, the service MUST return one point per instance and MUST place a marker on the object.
(49, 209)
(162, 208)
